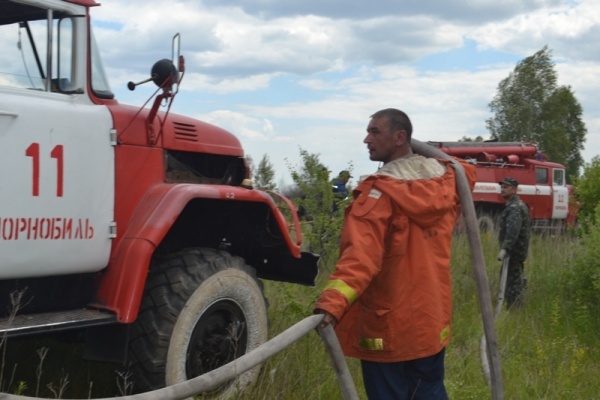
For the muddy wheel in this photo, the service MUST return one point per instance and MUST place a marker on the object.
(201, 309)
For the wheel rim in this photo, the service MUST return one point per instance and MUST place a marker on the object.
(220, 336)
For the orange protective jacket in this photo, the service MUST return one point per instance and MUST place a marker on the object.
(391, 289)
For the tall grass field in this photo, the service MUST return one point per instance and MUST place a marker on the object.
(549, 348)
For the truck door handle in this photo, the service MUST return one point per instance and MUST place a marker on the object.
(4, 113)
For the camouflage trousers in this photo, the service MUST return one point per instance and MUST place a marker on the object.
(515, 284)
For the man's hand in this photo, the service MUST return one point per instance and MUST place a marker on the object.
(328, 319)
(501, 255)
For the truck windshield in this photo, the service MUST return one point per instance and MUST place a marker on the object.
(45, 50)
(38, 50)
(100, 84)
(541, 176)
(23, 46)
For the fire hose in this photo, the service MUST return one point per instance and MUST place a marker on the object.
(501, 293)
(479, 270)
(213, 379)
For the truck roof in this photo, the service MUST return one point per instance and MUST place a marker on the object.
(86, 3)
(16, 12)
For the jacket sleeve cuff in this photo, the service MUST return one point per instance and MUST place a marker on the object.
(333, 302)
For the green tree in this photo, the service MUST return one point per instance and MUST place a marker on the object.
(264, 175)
(469, 139)
(321, 224)
(530, 107)
(250, 163)
(587, 192)
(564, 131)
(584, 282)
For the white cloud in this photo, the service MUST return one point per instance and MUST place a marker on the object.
(444, 106)
(298, 73)
(239, 124)
(557, 27)
(199, 82)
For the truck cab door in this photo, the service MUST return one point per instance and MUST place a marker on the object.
(560, 194)
(57, 164)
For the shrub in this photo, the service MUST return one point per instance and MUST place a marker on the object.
(584, 279)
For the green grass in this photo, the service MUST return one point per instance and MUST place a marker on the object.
(550, 348)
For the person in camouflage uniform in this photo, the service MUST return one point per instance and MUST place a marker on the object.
(515, 230)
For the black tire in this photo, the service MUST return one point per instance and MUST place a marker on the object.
(201, 309)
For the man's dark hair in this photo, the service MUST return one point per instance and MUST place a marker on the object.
(397, 120)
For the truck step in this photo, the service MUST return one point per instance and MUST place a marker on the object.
(30, 324)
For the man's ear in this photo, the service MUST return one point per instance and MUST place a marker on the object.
(402, 136)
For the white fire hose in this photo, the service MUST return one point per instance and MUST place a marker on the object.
(501, 293)
(479, 270)
(257, 356)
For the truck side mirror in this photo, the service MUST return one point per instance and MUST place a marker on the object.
(164, 74)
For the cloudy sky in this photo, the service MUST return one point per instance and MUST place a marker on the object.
(289, 74)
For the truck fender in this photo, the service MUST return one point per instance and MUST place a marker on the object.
(122, 283)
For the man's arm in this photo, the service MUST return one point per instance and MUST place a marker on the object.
(513, 227)
(362, 249)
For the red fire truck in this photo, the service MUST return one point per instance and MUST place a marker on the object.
(130, 228)
(542, 184)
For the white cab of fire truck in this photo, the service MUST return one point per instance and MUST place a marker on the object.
(57, 175)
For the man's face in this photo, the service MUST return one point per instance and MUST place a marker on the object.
(383, 144)
(507, 191)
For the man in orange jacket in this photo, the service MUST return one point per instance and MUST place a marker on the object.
(390, 294)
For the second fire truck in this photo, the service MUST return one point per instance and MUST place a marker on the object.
(542, 184)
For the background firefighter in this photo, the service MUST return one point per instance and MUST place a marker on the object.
(515, 231)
